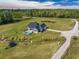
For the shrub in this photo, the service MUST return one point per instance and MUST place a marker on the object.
(12, 43)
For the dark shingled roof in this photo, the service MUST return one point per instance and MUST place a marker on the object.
(33, 25)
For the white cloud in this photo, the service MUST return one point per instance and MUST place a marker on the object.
(33, 4)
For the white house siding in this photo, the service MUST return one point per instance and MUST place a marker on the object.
(35, 30)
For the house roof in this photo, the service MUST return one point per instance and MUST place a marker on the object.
(43, 25)
(33, 25)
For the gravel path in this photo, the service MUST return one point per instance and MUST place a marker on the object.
(67, 35)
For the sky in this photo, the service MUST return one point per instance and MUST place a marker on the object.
(39, 4)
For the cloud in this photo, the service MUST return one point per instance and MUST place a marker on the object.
(36, 0)
(33, 3)
(68, 3)
(58, 2)
(39, 4)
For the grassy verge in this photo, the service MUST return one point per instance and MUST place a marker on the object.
(73, 50)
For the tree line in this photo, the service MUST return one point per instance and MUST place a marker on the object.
(59, 13)
(8, 15)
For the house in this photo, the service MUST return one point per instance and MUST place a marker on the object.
(42, 27)
(35, 27)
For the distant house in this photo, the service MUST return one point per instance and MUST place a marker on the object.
(35, 27)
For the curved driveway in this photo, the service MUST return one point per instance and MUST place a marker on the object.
(67, 35)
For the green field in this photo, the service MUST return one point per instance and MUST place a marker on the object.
(73, 50)
(43, 45)
(60, 23)
(41, 48)
(19, 27)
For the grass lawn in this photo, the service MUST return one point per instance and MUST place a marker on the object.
(18, 28)
(77, 19)
(59, 23)
(43, 45)
(41, 48)
(73, 50)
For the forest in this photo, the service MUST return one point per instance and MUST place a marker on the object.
(8, 15)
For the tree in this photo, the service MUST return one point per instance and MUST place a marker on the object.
(6, 17)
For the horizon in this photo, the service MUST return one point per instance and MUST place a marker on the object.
(39, 4)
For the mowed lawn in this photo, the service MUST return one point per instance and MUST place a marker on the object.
(73, 50)
(43, 45)
(59, 23)
(18, 28)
